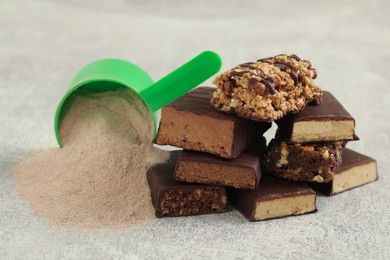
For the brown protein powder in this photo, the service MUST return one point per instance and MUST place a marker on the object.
(98, 179)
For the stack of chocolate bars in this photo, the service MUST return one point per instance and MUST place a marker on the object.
(310, 146)
(225, 159)
(218, 152)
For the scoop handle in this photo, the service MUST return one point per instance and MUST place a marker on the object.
(181, 80)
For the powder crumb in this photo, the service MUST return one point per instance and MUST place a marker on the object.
(98, 179)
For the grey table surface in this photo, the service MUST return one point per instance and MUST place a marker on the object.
(43, 44)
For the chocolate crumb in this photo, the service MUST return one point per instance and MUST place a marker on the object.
(228, 86)
(256, 87)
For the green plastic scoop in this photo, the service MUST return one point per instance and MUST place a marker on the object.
(111, 74)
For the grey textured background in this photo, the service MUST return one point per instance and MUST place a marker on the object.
(43, 44)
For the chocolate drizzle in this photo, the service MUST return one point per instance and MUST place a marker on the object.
(286, 63)
(248, 65)
(283, 66)
(270, 84)
(235, 73)
(295, 57)
(254, 85)
(294, 74)
(295, 77)
(264, 59)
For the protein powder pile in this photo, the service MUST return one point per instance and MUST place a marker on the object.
(98, 178)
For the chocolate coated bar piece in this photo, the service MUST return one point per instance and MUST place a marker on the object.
(355, 170)
(171, 198)
(192, 123)
(242, 172)
(274, 198)
(328, 121)
(312, 162)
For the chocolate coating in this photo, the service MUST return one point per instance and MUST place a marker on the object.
(270, 189)
(352, 160)
(329, 109)
(304, 162)
(192, 123)
(198, 102)
(172, 198)
(243, 172)
(248, 158)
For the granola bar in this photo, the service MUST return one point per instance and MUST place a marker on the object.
(267, 89)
